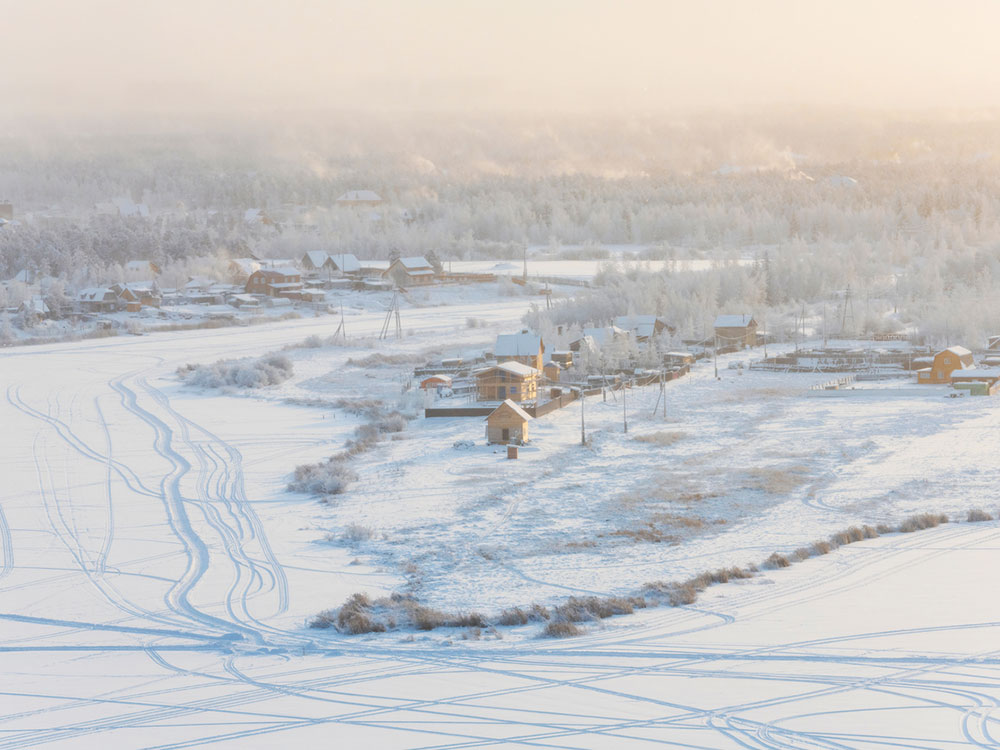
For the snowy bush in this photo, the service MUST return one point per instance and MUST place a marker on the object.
(330, 477)
(271, 369)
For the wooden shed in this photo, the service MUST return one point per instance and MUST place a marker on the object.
(735, 330)
(434, 382)
(508, 424)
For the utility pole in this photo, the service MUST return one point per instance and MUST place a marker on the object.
(624, 410)
(583, 424)
(715, 356)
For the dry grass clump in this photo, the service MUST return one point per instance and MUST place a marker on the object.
(585, 609)
(662, 438)
(854, 534)
(524, 615)
(775, 481)
(561, 629)
(977, 515)
(387, 360)
(647, 533)
(776, 560)
(883, 528)
(822, 547)
(355, 532)
(922, 521)
(674, 519)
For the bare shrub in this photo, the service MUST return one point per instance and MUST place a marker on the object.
(330, 477)
(822, 547)
(355, 532)
(802, 553)
(977, 515)
(513, 616)
(776, 560)
(561, 629)
(922, 521)
(662, 438)
(884, 528)
(271, 369)
(468, 620)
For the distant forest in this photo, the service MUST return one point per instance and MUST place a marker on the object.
(905, 209)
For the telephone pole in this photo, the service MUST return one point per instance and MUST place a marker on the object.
(583, 424)
(715, 356)
(624, 410)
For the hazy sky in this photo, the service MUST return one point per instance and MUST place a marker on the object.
(189, 56)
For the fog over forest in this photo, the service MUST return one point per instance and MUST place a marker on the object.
(903, 207)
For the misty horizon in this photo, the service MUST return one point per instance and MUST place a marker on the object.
(112, 58)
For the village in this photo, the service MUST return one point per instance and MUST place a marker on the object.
(520, 380)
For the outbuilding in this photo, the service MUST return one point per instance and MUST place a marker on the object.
(735, 330)
(508, 380)
(435, 382)
(507, 424)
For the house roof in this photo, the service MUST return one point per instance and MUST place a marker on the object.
(346, 262)
(352, 196)
(95, 293)
(643, 325)
(734, 321)
(315, 257)
(986, 373)
(513, 407)
(415, 263)
(522, 344)
(958, 351)
(442, 378)
(514, 368)
(601, 336)
(286, 272)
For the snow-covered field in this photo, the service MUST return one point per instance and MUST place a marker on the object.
(156, 577)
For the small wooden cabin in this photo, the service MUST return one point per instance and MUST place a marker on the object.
(508, 424)
(736, 330)
(944, 364)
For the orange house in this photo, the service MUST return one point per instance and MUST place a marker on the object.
(945, 363)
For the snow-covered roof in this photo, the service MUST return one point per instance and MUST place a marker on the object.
(734, 321)
(252, 215)
(958, 351)
(316, 258)
(95, 293)
(513, 407)
(514, 368)
(415, 263)
(601, 336)
(984, 373)
(522, 344)
(286, 285)
(679, 354)
(280, 271)
(25, 276)
(346, 262)
(353, 196)
(644, 326)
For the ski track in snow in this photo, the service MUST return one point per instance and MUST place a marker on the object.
(187, 643)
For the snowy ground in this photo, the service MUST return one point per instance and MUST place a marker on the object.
(156, 577)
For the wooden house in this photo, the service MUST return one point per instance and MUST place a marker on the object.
(415, 271)
(564, 358)
(945, 363)
(736, 330)
(678, 359)
(275, 282)
(552, 371)
(508, 424)
(313, 261)
(524, 347)
(507, 380)
(97, 299)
